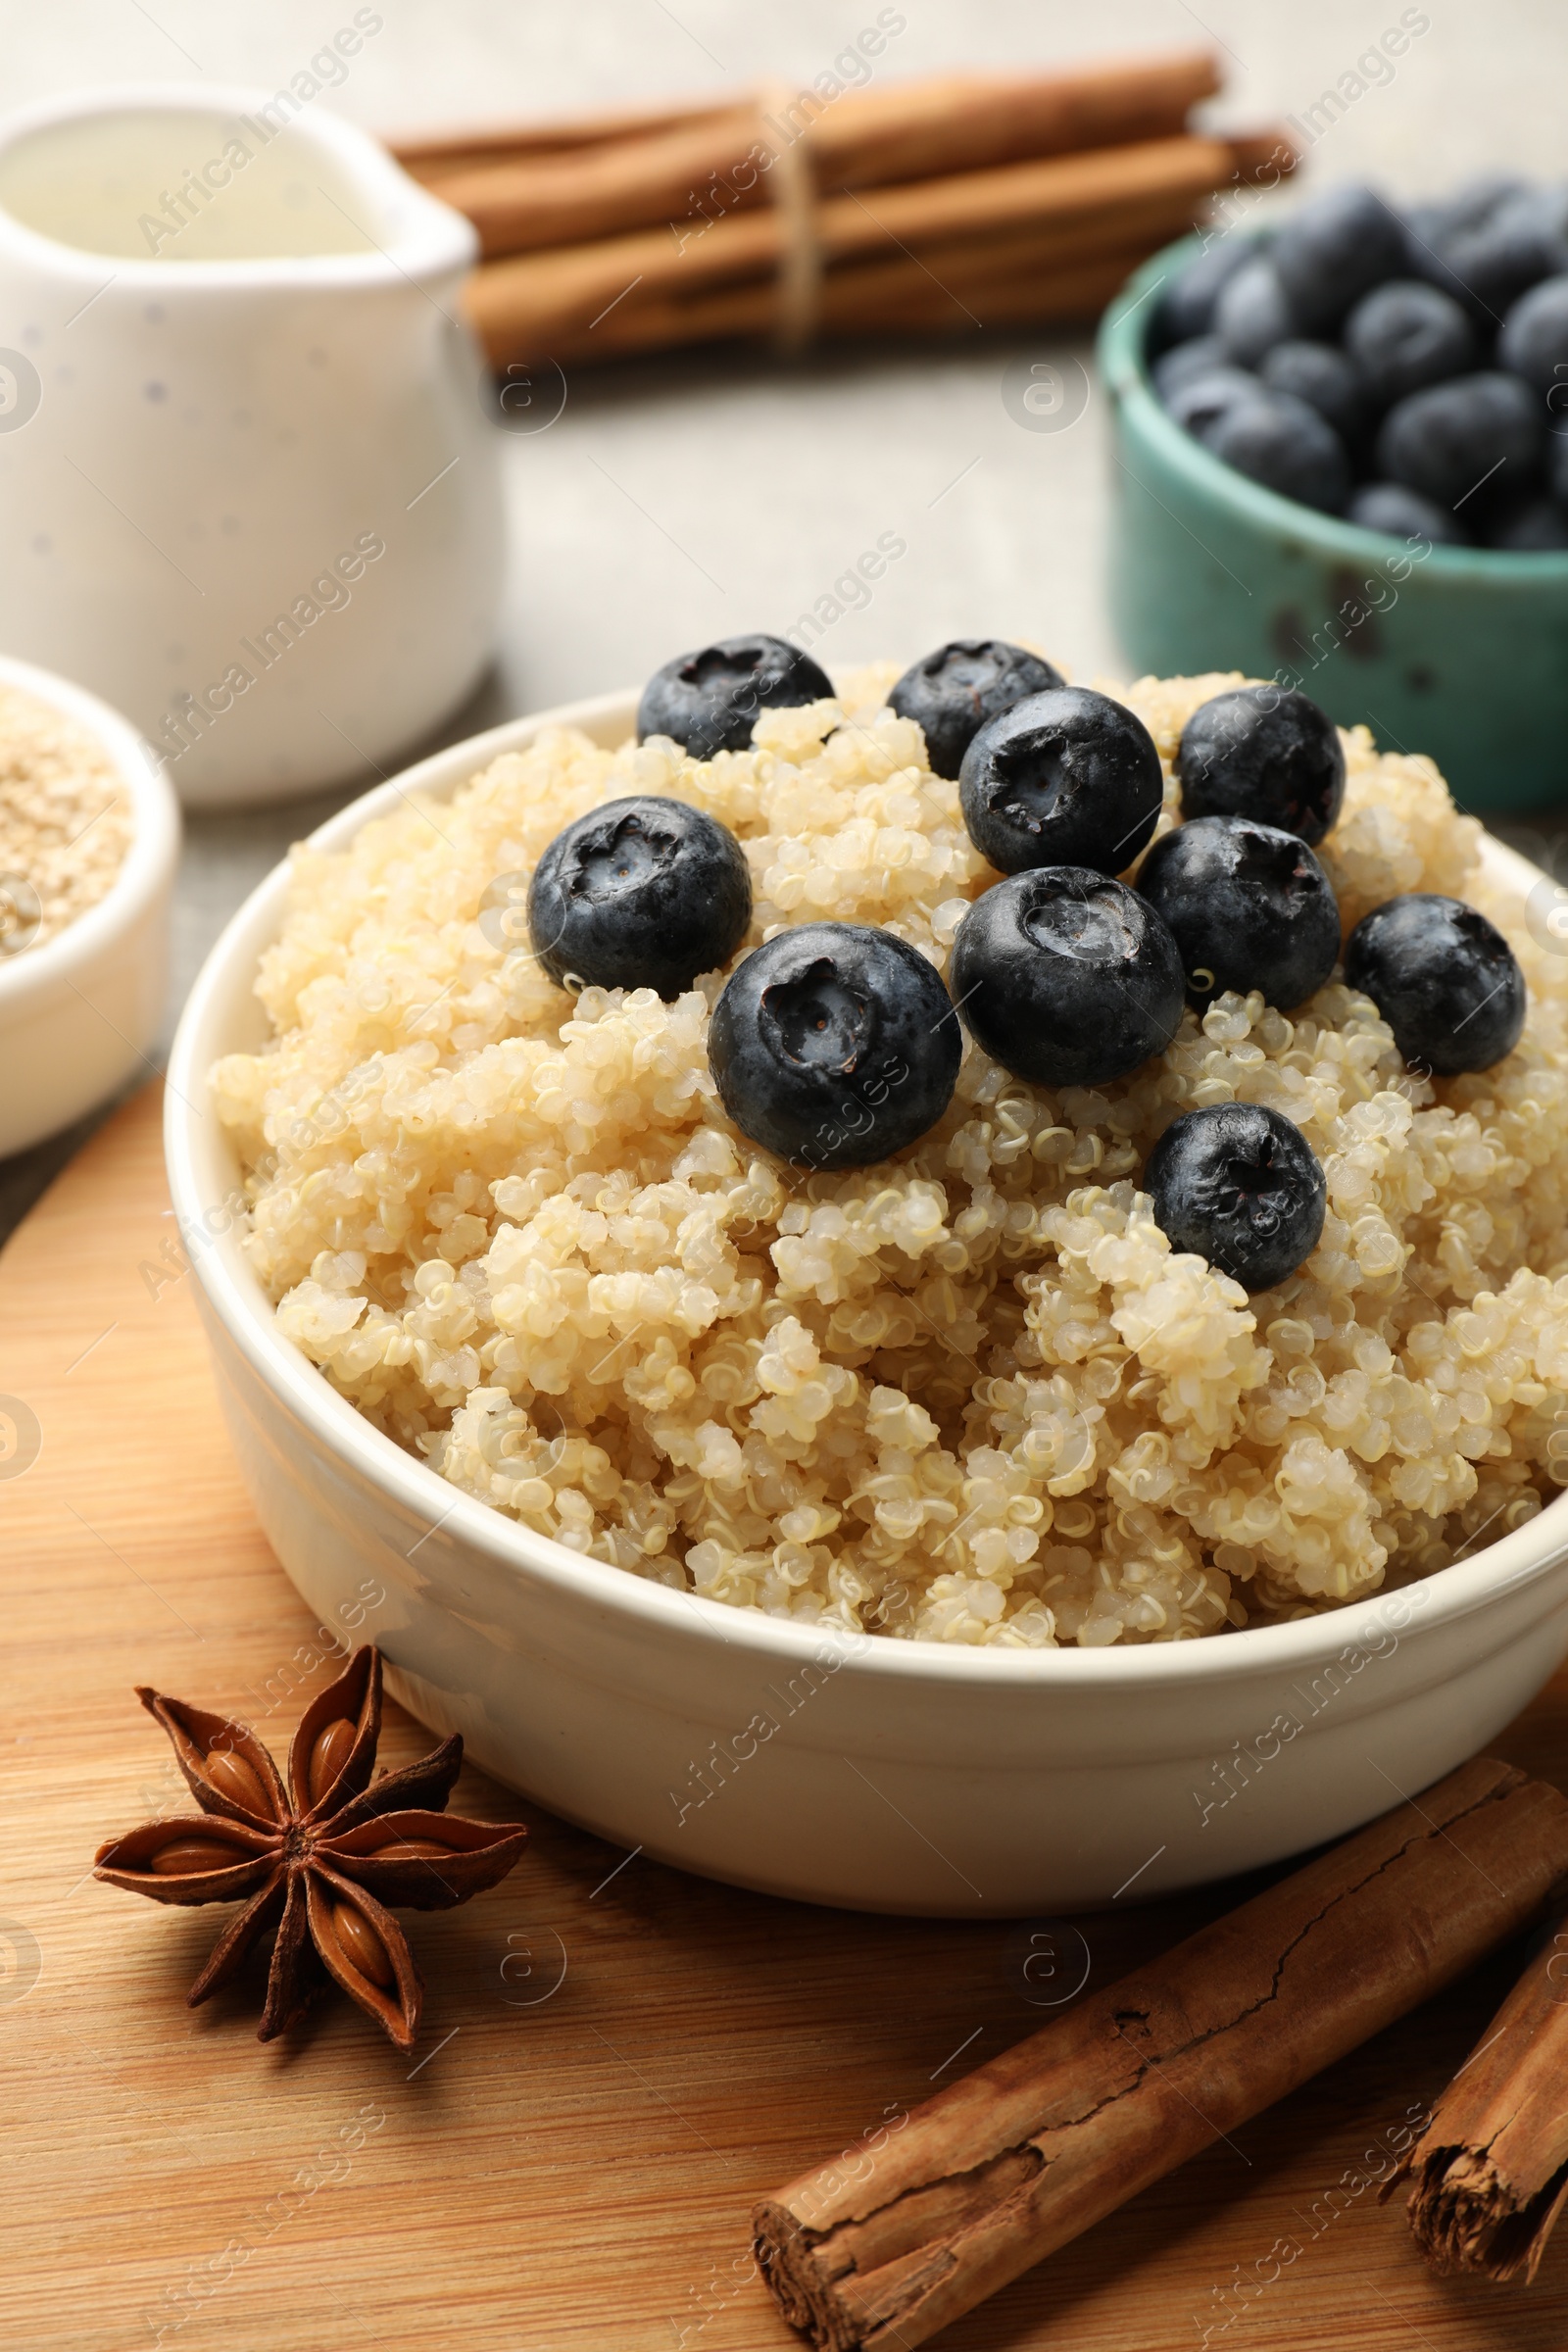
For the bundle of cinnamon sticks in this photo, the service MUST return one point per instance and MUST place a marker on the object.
(926, 206)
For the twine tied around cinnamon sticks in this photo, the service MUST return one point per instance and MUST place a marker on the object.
(927, 206)
(792, 182)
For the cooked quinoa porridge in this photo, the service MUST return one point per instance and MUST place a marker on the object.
(967, 1394)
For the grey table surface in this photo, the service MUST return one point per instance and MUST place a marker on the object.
(684, 499)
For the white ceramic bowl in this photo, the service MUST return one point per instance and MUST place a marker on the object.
(79, 1011)
(872, 1774)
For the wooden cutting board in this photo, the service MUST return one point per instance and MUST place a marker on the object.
(614, 2062)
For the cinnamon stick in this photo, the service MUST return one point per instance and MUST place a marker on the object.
(429, 158)
(522, 203)
(1029, 280)
(1491, 2170)
(1014, 256)
(1028, 2151)
(548, 304)
(906, 300)
(959, 122)
(532, 195)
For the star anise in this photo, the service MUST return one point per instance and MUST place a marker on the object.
(319, 1860)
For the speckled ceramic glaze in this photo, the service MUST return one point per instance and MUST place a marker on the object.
(1461, 654)
(252, 500)
(848, 1769)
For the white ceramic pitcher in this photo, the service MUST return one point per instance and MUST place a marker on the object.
(249, 493)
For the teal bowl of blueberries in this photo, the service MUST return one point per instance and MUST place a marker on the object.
(1342, 461)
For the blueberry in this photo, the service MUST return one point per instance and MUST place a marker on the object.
(1198, 404)
(1405, 514)
(1186, 307)
(641, 893)
(1252, 314)
(1264, 752)
(1534, 342)
(1519, 242)
(1288, 447)
(709, 700)
(1431, 228)
(1448, 440)
(1324, 378)
(1067, 777)
(1241, 1187)
(834, 1046)
(1335, 248)
(953, 692)
(1248, 907)
(1445, 980)
(1406, 335)
(1185, 363)
(1067, 978)
(1533, 524)
(1470, 205)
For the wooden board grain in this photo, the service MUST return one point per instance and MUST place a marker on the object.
(615, 2061)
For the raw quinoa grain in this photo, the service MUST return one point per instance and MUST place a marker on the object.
(64, 821)
(966, 1395)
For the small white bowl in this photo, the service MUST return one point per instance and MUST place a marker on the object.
(79, 1011)
(877, 1775)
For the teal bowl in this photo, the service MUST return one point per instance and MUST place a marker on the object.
(1457, 652)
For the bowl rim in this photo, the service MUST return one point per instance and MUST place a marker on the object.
(144, 870)
(1121, 354)
(1525, 1556)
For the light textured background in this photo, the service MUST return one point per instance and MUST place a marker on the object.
(687, 499)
